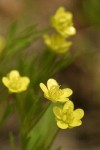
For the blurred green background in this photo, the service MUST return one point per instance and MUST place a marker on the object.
(83, 75)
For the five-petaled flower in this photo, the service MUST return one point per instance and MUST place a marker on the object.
(62, 22)
(67, 117)
(57, 43)
(54, 93)
(15, 83)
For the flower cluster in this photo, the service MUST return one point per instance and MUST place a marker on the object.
(66, 116)
(62, 22)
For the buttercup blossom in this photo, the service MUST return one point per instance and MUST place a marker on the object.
(67, 117)
(15, 83)
(62, 22)
(57, 43)
(53, 92)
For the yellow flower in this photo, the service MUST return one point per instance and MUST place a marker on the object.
(54, 93)
(2, 43)
(15, 83)
(57, 43)
(62, 22)
(67, 117)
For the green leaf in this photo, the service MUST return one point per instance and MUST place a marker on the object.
(11, 33)
(8, 111)
(43, 134)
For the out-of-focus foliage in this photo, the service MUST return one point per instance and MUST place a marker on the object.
(91, 10)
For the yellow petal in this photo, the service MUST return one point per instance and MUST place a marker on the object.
(57, 111)
(68, 106)
(13, 74)
(11, 90)
(72, 30)
(5, 81)
(75, 123)
(47, 39)
(62, 125)
(52, 82)
(25, 82)
(60, 10)
(67, 92)
(62, 100)
(78, 113)
(43, 88)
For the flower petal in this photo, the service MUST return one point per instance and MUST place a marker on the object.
(43, 88)
(62, 100)
(75, 123)
(52, 82)
(62, 125)
(78, 113)
(25, 80)
(68, 106)
(70, 31)
(13, 74)
(12, 90)
(5, 81)
(67, 92)
(24, 83)
(57, 111)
